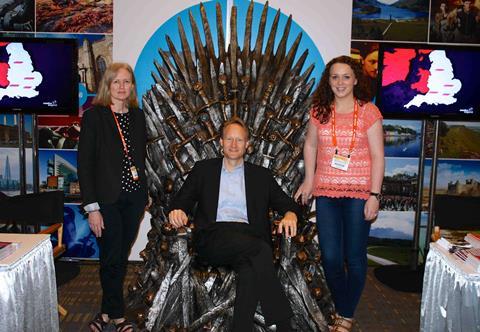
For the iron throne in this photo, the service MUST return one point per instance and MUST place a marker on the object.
(194, 93)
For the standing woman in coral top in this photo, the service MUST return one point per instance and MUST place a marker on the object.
(344, 167)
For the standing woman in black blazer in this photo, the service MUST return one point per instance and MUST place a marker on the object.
(111, 171)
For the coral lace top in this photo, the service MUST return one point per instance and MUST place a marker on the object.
(355, 182)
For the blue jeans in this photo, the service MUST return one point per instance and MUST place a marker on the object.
(342, 236)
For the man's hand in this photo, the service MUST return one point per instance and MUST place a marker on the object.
(178, 218)
(289, 224)
(95, 221)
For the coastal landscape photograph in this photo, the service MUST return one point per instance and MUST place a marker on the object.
(399, 20)
(402, 138)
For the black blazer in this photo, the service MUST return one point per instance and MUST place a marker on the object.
(202, 186)
(100, 154)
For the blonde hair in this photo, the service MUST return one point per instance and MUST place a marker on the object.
(237, 121)
(103, 97)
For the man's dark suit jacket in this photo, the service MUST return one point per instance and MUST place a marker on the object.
(202, 186)
(100, 154)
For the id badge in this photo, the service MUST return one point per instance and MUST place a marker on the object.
(340, 162)
(134, 172)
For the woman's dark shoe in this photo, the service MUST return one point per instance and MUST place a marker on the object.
(124, 326)
(97, 324)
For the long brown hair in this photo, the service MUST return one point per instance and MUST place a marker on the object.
(103, 97)
(323, 96)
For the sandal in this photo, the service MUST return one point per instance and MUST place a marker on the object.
(97, 324)
(124, 326)
(341, 324)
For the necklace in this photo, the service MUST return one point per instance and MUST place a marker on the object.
(354, 129)
(121, 111)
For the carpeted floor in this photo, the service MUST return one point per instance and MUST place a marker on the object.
(381, 308)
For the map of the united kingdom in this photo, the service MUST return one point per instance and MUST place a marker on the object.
(18, 78)
(435, 85)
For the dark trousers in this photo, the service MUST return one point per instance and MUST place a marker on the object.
(343, 236)
(121, 220)
(237, 246)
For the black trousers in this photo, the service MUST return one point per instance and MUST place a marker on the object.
(121, 220)
(236, 245)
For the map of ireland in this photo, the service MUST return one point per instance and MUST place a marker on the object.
(18, 78)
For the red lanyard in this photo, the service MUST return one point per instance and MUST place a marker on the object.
(354, 129)
(125, 148)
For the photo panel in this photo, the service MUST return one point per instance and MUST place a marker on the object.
(457, 193)
(455, 21)
(58, 132)
(58, 171)
(17, 15)
(399, 186)
(390, 238)
(394, 225)
(455, 178)
(99, 48)
(74, 16)
(77, 236)
(367, 54)
(390, 20)
(403, 138)
(10, 171)
(459, 140)
(458, 177)
(9, 136)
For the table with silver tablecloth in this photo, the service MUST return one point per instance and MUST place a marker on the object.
(451, 294)
(28, 290)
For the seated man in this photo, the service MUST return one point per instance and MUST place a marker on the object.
(232, 227)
